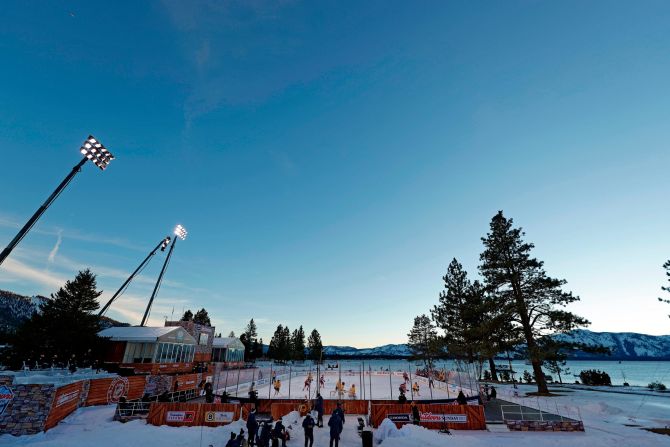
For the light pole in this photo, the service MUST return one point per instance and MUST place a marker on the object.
(162, 245)
(181, 233)
(92, 150)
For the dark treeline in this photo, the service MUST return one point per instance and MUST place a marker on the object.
(286, 345)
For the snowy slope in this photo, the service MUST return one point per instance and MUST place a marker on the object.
(15, 308)
(624, 345)
(380, 351)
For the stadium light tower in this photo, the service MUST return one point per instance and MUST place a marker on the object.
(162, 245)
(92, 150)
(181, 233)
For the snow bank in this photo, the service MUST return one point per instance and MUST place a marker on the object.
(387, 429)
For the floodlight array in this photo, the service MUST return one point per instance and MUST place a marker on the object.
(165, 243)
(96, 152)
(181, 232)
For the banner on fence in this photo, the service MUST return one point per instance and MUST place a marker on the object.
(219, 416)
(181, 416)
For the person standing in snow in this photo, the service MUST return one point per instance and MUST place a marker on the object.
(494, 393)
(415, 388)
(232, 442)
(308, 426)
(266, 434)
(252, 427)
(279, 432)
(405, 377)
(277, 386)
(461, 398)
(416, 416)
(322, 381)
(318, 406)
(335, 424)
(339, 411)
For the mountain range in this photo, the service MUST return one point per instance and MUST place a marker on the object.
(623, 346)
(15, 308)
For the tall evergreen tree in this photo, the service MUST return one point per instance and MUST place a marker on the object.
(422, 340)
(280, 344)
(251, 335)
(188, 316)
(202, 317)
(666, 266)
(66, 329)
(450, 313)
(315, 345)
(534, 300)
(298, 344)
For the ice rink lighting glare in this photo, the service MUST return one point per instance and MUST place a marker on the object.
(181, 232)
(96, 152)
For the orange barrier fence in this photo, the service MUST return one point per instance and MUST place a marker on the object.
(179, 414)
(433, 416)
(65, 401)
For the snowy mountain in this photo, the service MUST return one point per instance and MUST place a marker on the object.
(624, 345)
(385, 351)
(15, 308)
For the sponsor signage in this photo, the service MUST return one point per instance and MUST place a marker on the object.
(402, 417)
(453, 418)
(67, 397)
(219, 416)
(6, 396)
(429, 417)
(180, 416)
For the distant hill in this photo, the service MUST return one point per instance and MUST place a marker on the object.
(15, 308)
(624, 346)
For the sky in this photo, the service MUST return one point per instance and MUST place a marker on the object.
(329, 159)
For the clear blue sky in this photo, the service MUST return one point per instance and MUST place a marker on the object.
(330, 158)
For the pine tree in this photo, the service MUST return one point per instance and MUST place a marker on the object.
(188, 316)
(66, 329)
(259, 349)
(422, 340)
(250, 333)
(231, 334)
(298, 344)
(315, 345)
(275, 349)
(449, 314)
(666, 266)
(202, 317)
(534, 300)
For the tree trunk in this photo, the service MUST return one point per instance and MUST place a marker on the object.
(533, 352)
(492, 367)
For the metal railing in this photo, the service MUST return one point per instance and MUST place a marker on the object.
(535, 406)
(139, 409)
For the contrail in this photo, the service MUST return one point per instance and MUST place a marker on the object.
(52, 253)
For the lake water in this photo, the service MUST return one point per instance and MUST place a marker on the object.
(636, 373)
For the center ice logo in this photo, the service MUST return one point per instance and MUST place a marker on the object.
(6, 396)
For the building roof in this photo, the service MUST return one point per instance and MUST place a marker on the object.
(227, 342)
(140, 334)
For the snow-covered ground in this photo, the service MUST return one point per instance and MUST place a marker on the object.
(376, 386)
(610, 420)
